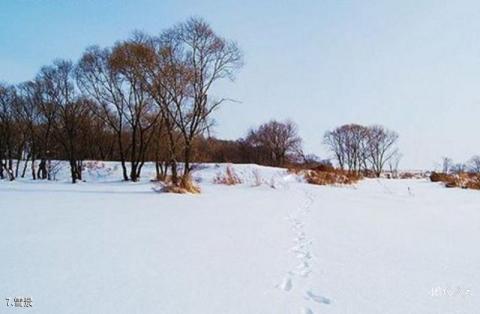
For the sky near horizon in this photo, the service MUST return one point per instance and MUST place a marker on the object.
(413, 66)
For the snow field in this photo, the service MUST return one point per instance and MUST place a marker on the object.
(103, 246)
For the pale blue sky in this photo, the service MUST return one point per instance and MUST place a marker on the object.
(413, 66)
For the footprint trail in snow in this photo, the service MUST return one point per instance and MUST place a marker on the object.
(302, 253)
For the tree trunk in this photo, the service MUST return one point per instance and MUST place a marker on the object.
(122, 156)
(124, 169)
(49, 169)
(17, 166)
(187, 156)
(73, 172)
(1, 170)
(159, 170)
(42, 169)
(79, 170)
(10, 174)
(34, 175)
(25, 166)
(133, 171)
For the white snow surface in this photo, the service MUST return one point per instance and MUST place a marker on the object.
(106, 246)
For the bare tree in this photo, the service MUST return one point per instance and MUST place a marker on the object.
(394, 163)
(335, 140)
(38, 113)
(140, 113)
(97, 79)
(197, 58)
(474, 164)
(167, 79)
(458, 168)
(7, 130)
(349, 145)
(447, 164)
(276, 140)
(71, 110)
(28, 115)
(381, 147)
(359, 148)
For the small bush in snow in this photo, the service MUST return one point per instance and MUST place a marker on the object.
(462, 180)
(186, 185)
(54, 168)
(227, 178)
(328, 176)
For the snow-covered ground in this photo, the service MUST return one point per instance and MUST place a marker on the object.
(105, 246)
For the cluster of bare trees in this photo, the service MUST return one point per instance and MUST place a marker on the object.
(273, 143)
(42, 118)
(471, 166)
(359, 148)
(148, 98)
(144, 98)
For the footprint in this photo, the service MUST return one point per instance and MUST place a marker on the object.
(306, 310)
(300, 240)
(298, 247)
(303, 265)
(304, 273)
(298, 250)
(286, 284)
(318, 298)
(304, 255)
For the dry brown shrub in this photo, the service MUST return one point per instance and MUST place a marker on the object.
(438, 177)
(227, 178)
(474, 184)
(327, 176)
(324, 168)
(186, 185)
(452, 183)
(295, 170)
(461, 180)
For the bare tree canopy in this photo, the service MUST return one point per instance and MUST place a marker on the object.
(359, 148)
(276, 140)
(474, 164)
(380, 147)
(182, 66)
(200, 58)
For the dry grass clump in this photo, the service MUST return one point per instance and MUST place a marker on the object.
(324, 168)
(331, 178)
(326, 175)
(473, 184)
(186, 185)
(460, 180)
(227, 178)
(439, 177)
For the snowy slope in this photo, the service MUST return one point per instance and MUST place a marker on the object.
(104, 246)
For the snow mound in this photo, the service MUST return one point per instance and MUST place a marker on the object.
(204, 174)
